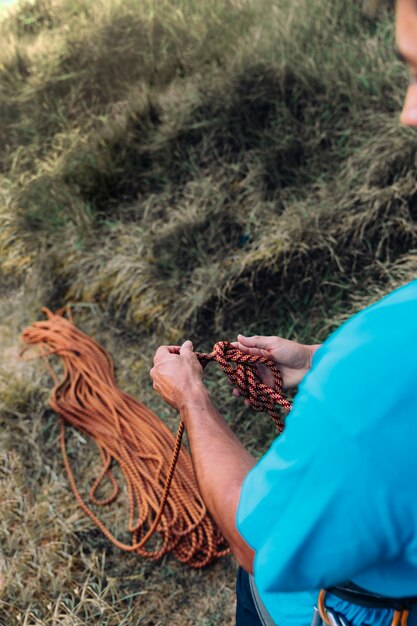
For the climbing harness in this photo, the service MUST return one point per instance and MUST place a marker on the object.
(166, 514)
(357, 595)
(361, 597)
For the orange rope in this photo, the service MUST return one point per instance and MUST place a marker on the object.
(127, 432)
(245, 376)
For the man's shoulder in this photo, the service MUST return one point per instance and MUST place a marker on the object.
(368, 367)
(390, 321)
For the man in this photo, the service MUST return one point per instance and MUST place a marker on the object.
(335, 498)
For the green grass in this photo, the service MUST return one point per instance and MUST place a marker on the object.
(181, 169)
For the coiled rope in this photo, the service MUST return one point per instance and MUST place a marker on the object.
(245, 376)
(127, 432)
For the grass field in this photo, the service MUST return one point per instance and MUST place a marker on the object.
(179, 169)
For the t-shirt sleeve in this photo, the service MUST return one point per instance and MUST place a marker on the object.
(318, 507)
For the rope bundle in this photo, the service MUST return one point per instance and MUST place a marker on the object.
(245, 376)
(127, 432)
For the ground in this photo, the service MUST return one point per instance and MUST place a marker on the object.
(179, 170)
(55, 567)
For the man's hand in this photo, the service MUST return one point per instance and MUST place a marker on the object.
(177, 374)
(292, 358)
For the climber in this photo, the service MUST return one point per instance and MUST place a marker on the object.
(333, 504)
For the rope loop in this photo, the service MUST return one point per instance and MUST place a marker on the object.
(242, 371)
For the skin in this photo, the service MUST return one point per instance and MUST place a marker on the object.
(406, 37)
(220, 461)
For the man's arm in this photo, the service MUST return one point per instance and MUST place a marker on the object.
(220, 464)
(219, 459)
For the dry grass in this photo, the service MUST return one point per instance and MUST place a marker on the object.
(180, 169)
(56, 569)
(166, 192)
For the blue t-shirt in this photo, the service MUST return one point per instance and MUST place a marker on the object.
(335, 497)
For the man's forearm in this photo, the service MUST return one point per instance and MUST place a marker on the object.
(220, 464)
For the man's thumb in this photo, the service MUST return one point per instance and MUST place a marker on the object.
(187, 346)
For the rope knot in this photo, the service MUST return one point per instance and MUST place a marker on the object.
(242, 371)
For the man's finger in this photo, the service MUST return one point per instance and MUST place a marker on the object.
(256, 341)
(163, 351)
(246, 350)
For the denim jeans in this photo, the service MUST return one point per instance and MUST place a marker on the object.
(246, 611)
